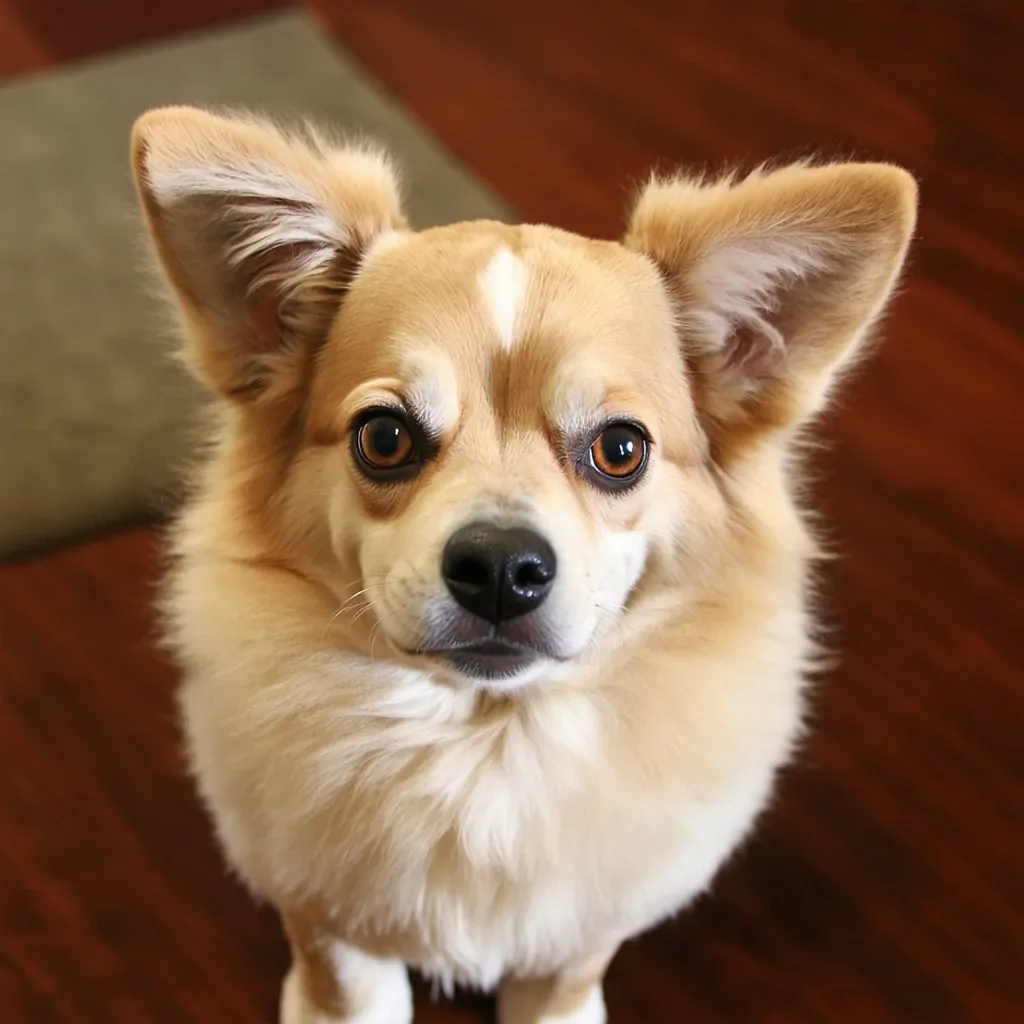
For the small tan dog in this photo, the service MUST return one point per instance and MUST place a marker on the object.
(491, 598)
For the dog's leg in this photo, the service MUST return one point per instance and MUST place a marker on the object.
(573, 996)
(334, 983)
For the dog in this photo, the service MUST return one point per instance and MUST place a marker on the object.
(492, 594)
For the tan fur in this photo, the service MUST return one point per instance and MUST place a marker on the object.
(387, 805)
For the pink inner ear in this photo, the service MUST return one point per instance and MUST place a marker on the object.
(263, 319)
(265, 282)
(751, 355)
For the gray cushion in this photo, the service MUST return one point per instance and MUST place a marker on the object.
(94, 415)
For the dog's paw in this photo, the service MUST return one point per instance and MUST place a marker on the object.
(523, 1004)
(590, 1011)
(295, 1008)
(390, 1002)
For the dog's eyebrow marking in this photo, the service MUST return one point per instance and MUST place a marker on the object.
(574, 400)
(432, 393)
(503, 282)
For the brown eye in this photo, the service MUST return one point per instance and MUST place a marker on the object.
(619, 453)
(384, 442)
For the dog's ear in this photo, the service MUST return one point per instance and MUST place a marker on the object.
(776, 279)
(259, 235)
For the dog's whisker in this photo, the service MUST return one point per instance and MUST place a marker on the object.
(349, 601)
(373, 638)
(367, 606)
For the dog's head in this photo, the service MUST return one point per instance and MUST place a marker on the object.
(483, 438)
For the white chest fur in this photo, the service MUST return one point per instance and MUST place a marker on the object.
(479, 842)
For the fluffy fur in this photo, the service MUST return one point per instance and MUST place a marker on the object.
(510, 831)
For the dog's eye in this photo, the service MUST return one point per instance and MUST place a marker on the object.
(383, 442)
(619, 454)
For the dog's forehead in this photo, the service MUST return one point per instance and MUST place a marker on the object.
(485, 287)
(540, 312)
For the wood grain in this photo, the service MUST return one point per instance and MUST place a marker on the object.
(60, 31)
(887, 883)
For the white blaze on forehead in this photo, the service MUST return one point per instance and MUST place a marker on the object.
(503, 282)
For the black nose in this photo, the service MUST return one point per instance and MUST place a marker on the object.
(498, 574)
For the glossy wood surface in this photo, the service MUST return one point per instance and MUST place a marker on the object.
(887, 883)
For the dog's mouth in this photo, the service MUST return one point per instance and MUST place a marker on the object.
(494, 658)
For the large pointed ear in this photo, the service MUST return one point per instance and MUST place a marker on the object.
(776, 280)
(259, 234)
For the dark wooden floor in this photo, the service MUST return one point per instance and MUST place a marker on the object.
(888, 882)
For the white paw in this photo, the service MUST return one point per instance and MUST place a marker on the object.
(293, 1006)
(391, 1003)
(519, 1004)
(590, 1011)
(383, 991)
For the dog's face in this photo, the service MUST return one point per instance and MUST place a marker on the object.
(510, 431)
(481, 437)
